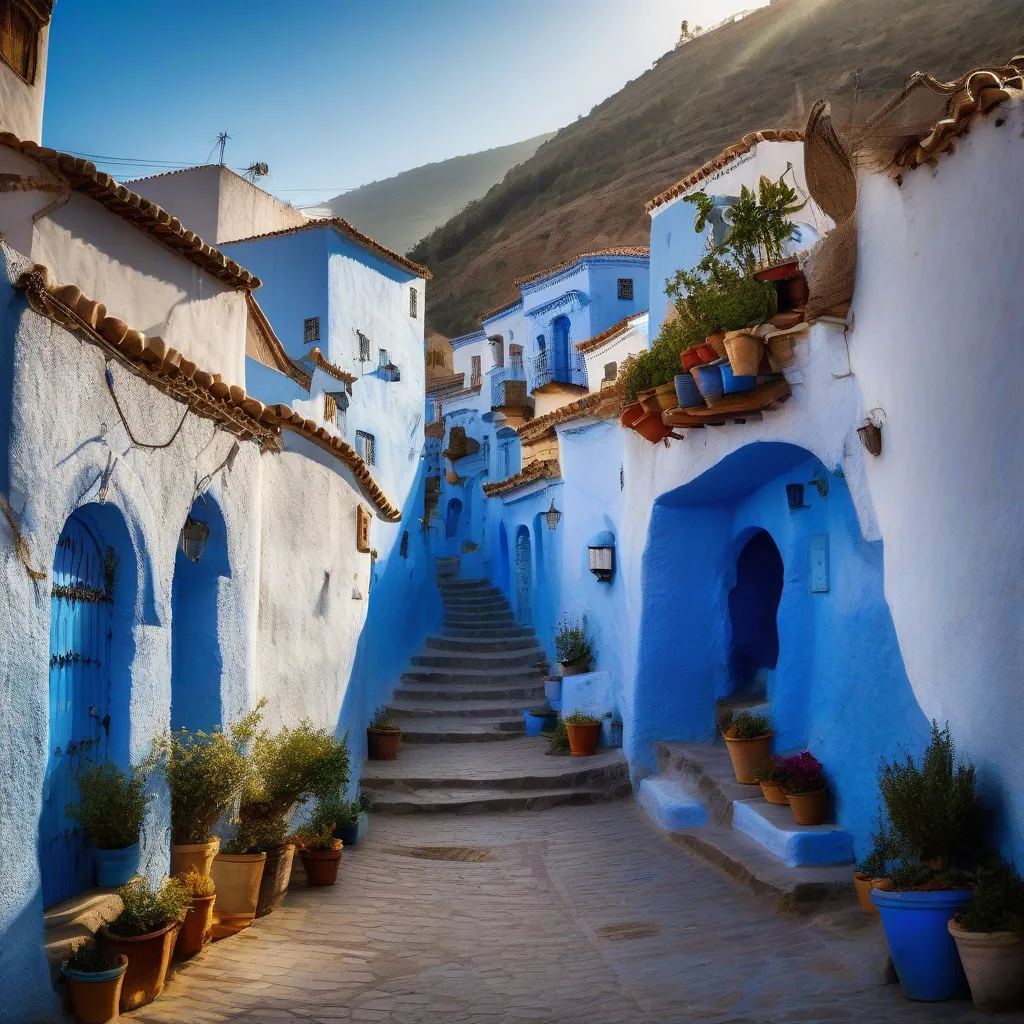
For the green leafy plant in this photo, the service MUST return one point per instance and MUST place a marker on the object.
(804, 773)
(560, 737)
(381, 721)
(199, 885)
(318, 831)
(771, 772)
(348, 813)
(933, 811)
(998, 904)
(581, 718)
(111, 804)
(883, 849)
(571, 640)
(205, 772)
(91, 958)
(746, 726)
(148, 909)
(289, 768)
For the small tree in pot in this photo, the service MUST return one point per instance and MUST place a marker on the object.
(382, 737)
(110, 809)
(145, 932)
(573, 646)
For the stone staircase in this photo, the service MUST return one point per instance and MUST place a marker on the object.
(460, 707)
(696, 799)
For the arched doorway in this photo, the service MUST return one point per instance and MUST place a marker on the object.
(92, 610)
(451, 521)
(196, 661)
(560, 330)
(503, 568)
(753, 612)
(524, 577)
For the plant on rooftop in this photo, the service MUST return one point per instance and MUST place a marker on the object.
(383, 737)
(573, 646)
(748, 738)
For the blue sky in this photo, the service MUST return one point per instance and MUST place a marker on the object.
(336, 94)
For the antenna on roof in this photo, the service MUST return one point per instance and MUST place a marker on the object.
(256, 171)
(222, 141)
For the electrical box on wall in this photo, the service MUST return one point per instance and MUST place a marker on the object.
(819, 563)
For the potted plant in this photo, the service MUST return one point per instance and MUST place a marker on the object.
(770, 775)
(319, 850)
(559, 739)
(584, 733)
(289, 767)
(382, 737)
(989, 935)
(94, 978)
(748, 738)
(198, 924)
(805, 788)
(573, 647)
(936, 829)
(535, 719)
(110, 807)
(353, 820)
(145, 932)
(205, 773)
(872, 871)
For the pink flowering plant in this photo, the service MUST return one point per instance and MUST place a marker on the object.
(804, 773)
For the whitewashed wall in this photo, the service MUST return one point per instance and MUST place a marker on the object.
(21, 104)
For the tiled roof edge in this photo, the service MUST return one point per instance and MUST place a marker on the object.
(543, 469)
(612, 332)
(493, 314)
(543, 426)
(636, 251)
(333, 369)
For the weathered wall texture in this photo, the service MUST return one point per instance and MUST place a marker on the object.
(21, 103)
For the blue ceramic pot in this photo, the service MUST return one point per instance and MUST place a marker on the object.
(534, 723)
(115, 867)
(731, 384)
(709, 380)
(348, 834)
(687, 392)
(923, 952)
(97, 976)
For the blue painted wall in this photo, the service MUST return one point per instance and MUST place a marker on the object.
(840, 688)
(674, 245)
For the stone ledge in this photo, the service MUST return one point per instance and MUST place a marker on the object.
(69, 924)
(795, 845)
(671, 806)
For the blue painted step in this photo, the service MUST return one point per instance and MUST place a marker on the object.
(669, 804)
(795, 845)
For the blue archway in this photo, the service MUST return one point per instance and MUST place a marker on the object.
(196, 660)
(561, 331)
(753, 613)
(451, 520)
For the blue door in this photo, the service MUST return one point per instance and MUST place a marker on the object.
(524, 578)
(80, 633)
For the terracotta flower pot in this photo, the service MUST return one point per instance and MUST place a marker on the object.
(274, 883)
(195, 856)
(321, 865)
(773, 794)
(716, 344)
(744, 349)
(237, 878)
(809, 808)
(690, 358)
(95, 996)
(651, 428)
(382, 744)
(148, 959)
(863, 884)
(583, 739)
(747, 754)
(994, 965)
(780, 271)
(196, 928)
(576, 667)
(631, 414)
(657, 400)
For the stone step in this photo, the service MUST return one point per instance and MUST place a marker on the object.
(497, 630)
(802, 890)
(69, 924)
(457, 707)
(477, 645)
(479, 801)
(474, 677)
(484, 662)
(529, 693)
(449, 586)
(488, 620)
(453, 729)
(671, 806)
(474, 597)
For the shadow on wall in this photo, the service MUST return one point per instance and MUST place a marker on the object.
(710, 576)
(196, 662)
(404, 608)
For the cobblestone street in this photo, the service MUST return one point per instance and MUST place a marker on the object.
(575, 914)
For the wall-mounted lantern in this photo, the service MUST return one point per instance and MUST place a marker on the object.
(821, 482)
(795, 497)
(602, 556)
(552, 516)
(194, 536)
(871, 437)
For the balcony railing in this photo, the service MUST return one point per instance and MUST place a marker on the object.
(508, 386)
(545, 369)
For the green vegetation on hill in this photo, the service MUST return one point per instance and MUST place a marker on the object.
(587, 187)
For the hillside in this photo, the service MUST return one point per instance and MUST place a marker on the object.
(399, 211)
(586, 188)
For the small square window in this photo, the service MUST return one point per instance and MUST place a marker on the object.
(19, 38)
(311, 330)
(414, 301)
(475, 371)
(330, 408)
(382, 357)
(364, 347)
(626, 288)
(365, 447)
(611, 371)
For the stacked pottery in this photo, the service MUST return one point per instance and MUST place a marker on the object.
(709, 380)
(687, 393)
(733, 384)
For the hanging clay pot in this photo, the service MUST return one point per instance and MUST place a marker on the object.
(687, 393)
(744, 349)
(709, 381)
(631, 414)
(651, 428)
(715, 343)
(690, 358)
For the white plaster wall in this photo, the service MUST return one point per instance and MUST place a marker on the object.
(21, 104)
(937, 350)
(218, 204)
(630, 342)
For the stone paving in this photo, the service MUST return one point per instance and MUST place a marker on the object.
(576, 914)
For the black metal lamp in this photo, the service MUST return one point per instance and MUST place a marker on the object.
(194, 536)
(552, 516)
(602, 556)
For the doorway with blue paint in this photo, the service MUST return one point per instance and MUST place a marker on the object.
(92, 615)
(196, 658)
(753, 613)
